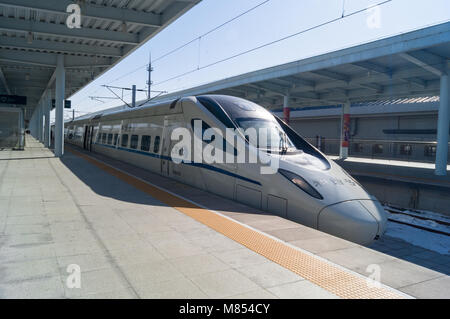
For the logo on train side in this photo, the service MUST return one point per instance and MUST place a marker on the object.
(73, 21)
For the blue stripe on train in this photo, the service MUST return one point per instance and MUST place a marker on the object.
(168, 158)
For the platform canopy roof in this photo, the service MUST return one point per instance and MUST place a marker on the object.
(403, 66)
(33, 32)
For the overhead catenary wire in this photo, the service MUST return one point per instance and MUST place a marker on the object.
(191, 41)
(211, 31)
(275, 41)
(198, 67)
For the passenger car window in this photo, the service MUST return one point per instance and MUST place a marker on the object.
(134, 141)
(116, 136)
(124, 140)
(145, 143)
(156, 146)
(110, 136)
(104, 138)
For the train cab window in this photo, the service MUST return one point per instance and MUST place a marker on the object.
(134, 141)
(145, 143)
(216, 110)
(104, 138)
(124, 140)
(205, 126)
(430, 150)
(226, 146)
(405, 149)
(110, 137)
(116, 136)
(156, 146)
(377, 149)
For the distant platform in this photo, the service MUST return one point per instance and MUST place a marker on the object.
(401, 183)
(151, 237)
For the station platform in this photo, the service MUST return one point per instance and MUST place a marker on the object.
(135, 234)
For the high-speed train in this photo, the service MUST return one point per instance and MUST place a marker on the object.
(306, 186)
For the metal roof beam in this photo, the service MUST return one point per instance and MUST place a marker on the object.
(51, 29)
(388, 72)
(418, 82)
(3, 81)
(399, 90)
(21, 43)
(49, 59)
(403, 74)
(428, 61)
(306, 95)
(18, 77)
(30, 83)
(142, 18)
(268, 88)
(230, 91)
(332, 75)
(246, 89)
(296, 82)
(374, 67)
(276, 88)
(168, 16)
(372, 86)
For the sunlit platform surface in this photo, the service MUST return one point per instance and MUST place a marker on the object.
(60, 212)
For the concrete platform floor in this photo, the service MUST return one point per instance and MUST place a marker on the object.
(58, 212)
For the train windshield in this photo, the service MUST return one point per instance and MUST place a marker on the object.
(235, 112)
(268, 134)
(258, 125)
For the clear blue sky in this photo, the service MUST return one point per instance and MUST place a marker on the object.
(270, 21)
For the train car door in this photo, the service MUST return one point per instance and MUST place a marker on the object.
(168, 167)
(85, 137)
(91, 134)
(166, 141)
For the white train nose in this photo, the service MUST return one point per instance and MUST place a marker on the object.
(359, 221)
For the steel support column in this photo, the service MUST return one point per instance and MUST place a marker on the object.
(21, 130)
(40, 122)
(443, 127)
(47, 107)
(59, 106)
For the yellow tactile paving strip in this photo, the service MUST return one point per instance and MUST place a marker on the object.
(334, 279)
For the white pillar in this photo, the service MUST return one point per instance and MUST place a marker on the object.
(34, 124)
(30, 124)
(37, 122)
(345, 131)
(40, 129)
(59, 106)
(47, 107)
(22, 129)
(443, 128)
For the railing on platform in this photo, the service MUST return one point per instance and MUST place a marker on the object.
(413, 151)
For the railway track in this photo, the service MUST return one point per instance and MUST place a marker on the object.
(400, 212)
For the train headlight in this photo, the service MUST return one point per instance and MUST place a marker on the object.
(301, 183)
